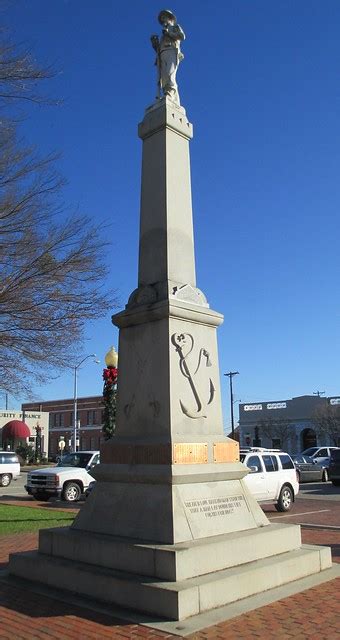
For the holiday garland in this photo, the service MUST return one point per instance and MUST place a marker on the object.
(109, 400)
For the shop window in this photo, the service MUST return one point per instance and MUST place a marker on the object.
(91, 417)
(257, 442)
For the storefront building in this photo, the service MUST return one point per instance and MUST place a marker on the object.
(37, 422)
(287, 424)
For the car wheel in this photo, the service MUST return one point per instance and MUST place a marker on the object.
(5, 480)
(42, 497)
(336, 483)
(325, 476)
(286, 499)
(71, 492)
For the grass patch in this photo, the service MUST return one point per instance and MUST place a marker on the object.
(25, 519)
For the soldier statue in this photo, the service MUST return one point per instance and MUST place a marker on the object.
(169, 54)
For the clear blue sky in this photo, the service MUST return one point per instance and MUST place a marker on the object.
(261, 84)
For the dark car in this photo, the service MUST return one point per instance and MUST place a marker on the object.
(308, 469)
(334, 467)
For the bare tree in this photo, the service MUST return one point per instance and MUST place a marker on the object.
(52, 267)
(279, 429)
(20, 75)
(326, 419)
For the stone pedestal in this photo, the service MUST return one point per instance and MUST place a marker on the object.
(170, 528)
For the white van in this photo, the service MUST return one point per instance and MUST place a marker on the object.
(9, 467)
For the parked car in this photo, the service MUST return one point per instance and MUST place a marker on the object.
(69, 479)
(309, 470)
(9, 467)
(319, 453)
(334, 467)
(272, 476)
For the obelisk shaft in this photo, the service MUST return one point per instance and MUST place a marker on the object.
(168, 387)
(166, 253)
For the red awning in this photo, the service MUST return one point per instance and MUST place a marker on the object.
(15, 430)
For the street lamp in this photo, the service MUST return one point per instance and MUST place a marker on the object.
(110, 393)
(230, 376)
(37, 453)
(75, 400)
(111, 358)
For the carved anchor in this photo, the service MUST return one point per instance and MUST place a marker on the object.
(179, 340)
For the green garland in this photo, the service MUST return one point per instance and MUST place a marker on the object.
(109, 401)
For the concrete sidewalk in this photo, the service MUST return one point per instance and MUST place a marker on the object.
(27, 615)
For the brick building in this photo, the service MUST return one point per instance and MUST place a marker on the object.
(61, 421)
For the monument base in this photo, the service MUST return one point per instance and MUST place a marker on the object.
(169, 504)
(210, 572)
(146, 540)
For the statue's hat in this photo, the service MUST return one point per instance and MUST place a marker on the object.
(166, 13)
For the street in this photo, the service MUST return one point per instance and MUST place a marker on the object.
(316, 503)
(16, 488)
(319, 490)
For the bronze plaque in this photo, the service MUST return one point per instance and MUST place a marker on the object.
(112, 453)
(226, 452)
(190, 453)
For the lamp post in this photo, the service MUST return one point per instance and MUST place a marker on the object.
(230, 376)
(110, 393)
(75, 399)
(37, 454)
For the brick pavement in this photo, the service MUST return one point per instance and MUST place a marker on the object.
(312, 614)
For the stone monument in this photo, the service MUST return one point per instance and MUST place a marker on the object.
(170, 528)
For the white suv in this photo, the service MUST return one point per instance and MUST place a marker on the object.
(272, 476)
(9, 467)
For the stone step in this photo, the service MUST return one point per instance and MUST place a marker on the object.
(170, 562)
(171, 600)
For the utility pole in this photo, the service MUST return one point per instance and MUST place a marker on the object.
(76, 422)
(318, 393)
(230, 376)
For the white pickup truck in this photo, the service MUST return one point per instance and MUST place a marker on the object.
(68, 480)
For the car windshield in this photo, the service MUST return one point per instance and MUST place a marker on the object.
(9, 458)
(75, 460)
(298, 459)
(310, 451)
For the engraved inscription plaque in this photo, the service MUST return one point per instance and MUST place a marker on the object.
(212, 513)
(216, 507)
(190, 453)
